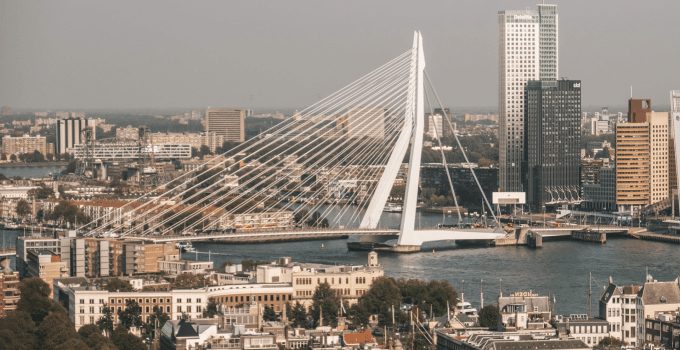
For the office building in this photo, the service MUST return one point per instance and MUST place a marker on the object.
(227, 122)
(552, 145)
(528, 50)
(70, 133)
(642, 159)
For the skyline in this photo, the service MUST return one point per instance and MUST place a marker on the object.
(79, 55)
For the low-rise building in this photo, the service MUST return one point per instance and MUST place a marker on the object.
(587, 329)
(653, 299)
(618, 306)
(664, 329)
(173, 266)
(490, 340)
(525, 310)
(9, 290)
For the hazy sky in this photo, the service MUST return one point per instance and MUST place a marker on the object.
(160, 53)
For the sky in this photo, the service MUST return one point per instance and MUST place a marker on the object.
(128, 54)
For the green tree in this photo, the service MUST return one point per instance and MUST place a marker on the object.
(17, 332)
(156, 321)
(204, 151)
(325, 299)
(269, 314)
(122, 339)
(105, 323)
(35, 298)
(131, 315)
(41, 192)
(57, 332)
(23, 208)
(609, 343)
(65, 211)
(92, 336)
(118, 285)
(188, 281)
(489, 316)
(380, 298)
(299, 315)
(211, 309)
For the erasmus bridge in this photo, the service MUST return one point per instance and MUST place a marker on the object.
(328, 170)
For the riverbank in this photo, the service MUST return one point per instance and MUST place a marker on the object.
(33, 164)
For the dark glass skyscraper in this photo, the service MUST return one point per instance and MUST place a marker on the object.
(552, 143)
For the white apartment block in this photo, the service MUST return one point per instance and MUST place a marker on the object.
(618, 306)
(528, 50)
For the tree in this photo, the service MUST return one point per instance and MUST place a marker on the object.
(64, 211)
(269, 314)
(211, 309)
(156, 321)
(380, 298)
(35, 298)
(118, 285)
(57, 332)
(122, 339)
(609, 343)
(92, 336)
(325, 300)
(188, 280)
(489, 316)
(23, 208)
(204, 151)
(17, 331)
(131, 315)
(105, 323)
(41, 192)
(298, 315)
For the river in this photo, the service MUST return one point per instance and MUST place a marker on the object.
(31, 171)
(560, 268)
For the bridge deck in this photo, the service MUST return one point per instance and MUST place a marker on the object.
(273, 236)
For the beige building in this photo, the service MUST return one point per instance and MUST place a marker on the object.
(127, 133)
(350, 282)
(47, 265)
(642, 157)
(653, 299)
(141, 257)
(227, 122)
(364, 122)
(9, 291)
(210, 139)
(24, 144)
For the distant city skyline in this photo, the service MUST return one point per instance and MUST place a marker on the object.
(77, 55)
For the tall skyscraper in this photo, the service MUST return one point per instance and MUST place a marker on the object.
(642, 159)
(227, 122)
(552, 146)
(674, 142)
(70, 132)
(638, 109)
(528, 50)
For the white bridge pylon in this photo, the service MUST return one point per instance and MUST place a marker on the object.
(412, 132)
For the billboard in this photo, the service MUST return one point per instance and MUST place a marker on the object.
(504, 198)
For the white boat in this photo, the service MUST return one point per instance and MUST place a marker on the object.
(392, 208)
(465, 308)
(185, 247)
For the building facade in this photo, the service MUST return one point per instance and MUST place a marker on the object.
(24, 144)
(642, 161)
(227, 122)
(552, 141)
(528, 50)
(70, 133)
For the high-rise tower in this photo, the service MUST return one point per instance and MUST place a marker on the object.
(528, 50)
